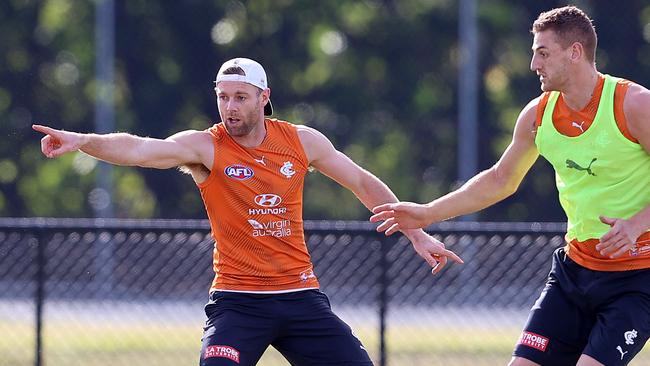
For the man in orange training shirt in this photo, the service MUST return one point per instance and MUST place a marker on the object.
(250, 171)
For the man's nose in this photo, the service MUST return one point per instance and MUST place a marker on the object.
(533, 64)
(231, 105)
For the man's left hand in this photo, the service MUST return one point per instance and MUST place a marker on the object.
(433, 251)
(619, 240)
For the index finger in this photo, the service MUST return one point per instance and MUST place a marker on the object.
(448, 253)
(44, 129)
(382, 216)
(382, 208)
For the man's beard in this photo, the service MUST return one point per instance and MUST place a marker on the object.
(246, 124)
(243, 128)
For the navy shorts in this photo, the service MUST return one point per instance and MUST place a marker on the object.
(605, 315)
(300, 325)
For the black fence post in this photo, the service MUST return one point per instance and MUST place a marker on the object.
(40, 294)
(384, 282)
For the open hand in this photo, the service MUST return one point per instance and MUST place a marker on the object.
(619, 240)
(400, 215)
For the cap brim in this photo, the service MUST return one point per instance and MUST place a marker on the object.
(268, 109)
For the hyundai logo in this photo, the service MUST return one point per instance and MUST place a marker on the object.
(268, 200)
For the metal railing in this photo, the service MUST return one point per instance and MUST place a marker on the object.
(111, 292)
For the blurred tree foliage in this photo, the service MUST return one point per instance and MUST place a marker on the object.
(379, 77)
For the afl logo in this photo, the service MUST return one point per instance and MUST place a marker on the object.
(239, 172)
(268, 200)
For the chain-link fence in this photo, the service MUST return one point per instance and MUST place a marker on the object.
(123, 292)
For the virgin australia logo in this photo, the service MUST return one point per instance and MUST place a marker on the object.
(573, 165)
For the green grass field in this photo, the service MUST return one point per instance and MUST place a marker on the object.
(108, 344)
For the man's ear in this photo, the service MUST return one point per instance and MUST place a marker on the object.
(577, 51)
(267, 94)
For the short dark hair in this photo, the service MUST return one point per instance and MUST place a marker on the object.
(570, 24)
(236, 70)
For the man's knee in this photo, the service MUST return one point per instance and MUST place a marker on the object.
(586, 360)
(519, 361)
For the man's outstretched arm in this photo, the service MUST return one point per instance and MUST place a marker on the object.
(481, 191)
(184, 148)
(369, 189)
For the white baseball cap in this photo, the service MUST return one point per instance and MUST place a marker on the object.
(254, 74)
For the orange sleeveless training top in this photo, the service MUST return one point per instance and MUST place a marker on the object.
(253, 198)
(573, 123)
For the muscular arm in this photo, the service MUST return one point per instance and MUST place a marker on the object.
(498, 182)
(371, 191)
(637, 112)
(184, 148)
(323, 156)
(623, 233)
(636, 107)
(483, 190)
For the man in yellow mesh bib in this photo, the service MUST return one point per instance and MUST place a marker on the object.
(595, 131)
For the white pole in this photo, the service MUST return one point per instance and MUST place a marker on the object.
(101, 198)
(467, 94)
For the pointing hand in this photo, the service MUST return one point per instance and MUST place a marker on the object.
(58, 142)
